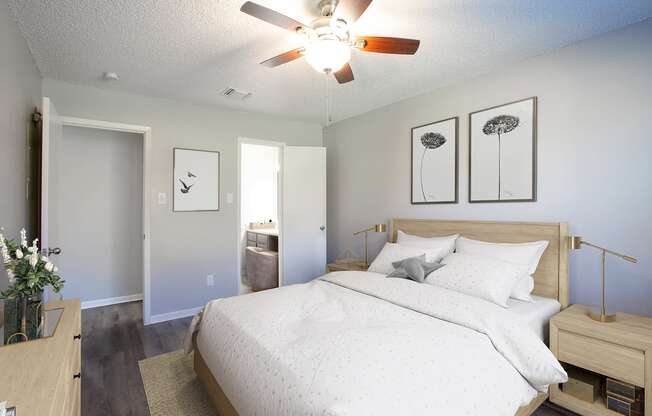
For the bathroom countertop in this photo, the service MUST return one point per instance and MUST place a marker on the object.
(265, 231)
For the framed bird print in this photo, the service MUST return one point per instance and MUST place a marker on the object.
(503, 153)
(434, 162)
(196, 180)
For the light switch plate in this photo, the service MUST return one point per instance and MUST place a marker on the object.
(162, 198)
(229, 197)
(210, 280)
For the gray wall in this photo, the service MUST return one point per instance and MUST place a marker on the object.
(96, 212)
(186, 246)
(20, 92)
(595, 145)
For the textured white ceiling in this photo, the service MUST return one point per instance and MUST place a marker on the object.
(192, 50)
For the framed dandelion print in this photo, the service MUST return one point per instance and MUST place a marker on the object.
(196, 180)
(434, 162)
(503, 153)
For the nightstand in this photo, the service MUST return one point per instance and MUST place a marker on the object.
(621, 350)
(343, 267)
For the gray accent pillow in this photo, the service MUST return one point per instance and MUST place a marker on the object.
(415, 268)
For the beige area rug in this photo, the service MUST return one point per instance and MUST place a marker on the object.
(171, 386)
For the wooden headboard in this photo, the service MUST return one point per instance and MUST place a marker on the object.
(550, 278)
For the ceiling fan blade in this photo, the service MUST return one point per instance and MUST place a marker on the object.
(381, 44)
(283, 58)
(353, 9)
(270, 16)
(344, 75)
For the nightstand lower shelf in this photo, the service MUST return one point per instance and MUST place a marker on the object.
(597, 408)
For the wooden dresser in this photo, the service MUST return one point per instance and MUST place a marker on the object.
(43, 377)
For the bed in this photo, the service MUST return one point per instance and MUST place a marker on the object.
(357, 343)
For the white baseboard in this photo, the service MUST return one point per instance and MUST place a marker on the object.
(111, 301)
(184, 313)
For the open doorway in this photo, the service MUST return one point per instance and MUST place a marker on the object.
(291, 180)
(73, 175)
(260, 214)
(96, 210)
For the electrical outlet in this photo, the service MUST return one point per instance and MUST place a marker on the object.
(210, 280)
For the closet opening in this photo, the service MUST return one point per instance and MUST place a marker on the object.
(93, 216)
(96, 214)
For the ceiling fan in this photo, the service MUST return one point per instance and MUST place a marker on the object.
(328, 42)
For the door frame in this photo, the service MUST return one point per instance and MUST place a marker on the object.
(279, 202)
(146, 133)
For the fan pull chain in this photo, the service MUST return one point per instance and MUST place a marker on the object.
(329, 101)
(326, 102)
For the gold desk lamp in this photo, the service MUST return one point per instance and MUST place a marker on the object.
(379, 228)
(575, 244)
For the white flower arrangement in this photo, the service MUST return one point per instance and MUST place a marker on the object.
(28, 272)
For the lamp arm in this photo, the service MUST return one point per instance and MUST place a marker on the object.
(622, 256)
(363, 231)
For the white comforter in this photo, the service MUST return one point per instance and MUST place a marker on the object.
(358, 343)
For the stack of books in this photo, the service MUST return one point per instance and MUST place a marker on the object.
(625, 398)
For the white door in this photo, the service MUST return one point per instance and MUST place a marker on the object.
(304, 214)
(52, 131)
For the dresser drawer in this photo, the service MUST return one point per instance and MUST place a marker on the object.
(251, 237)
(74, 405)
(622, 363)
(60, 396)
(71, 365)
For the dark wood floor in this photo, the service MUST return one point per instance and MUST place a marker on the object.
(113, 342)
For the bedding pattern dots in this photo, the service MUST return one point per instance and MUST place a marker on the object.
(535, 314)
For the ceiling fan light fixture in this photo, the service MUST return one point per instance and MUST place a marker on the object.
(327, 40)
(327, 55)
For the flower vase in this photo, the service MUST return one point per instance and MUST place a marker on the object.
(23, 318)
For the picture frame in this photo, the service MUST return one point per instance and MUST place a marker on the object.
(195, 180)
(434, 177)
(504, 169)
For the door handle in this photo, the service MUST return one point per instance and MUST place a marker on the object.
(55, 250)
(322, 228)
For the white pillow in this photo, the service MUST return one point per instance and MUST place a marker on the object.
(527, 254)
(478, 276)
(523, 289)
(394, 252)
(447, 243)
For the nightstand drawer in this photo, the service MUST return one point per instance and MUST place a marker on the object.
(622, 363)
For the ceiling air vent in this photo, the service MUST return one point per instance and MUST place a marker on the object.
(234, 94)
